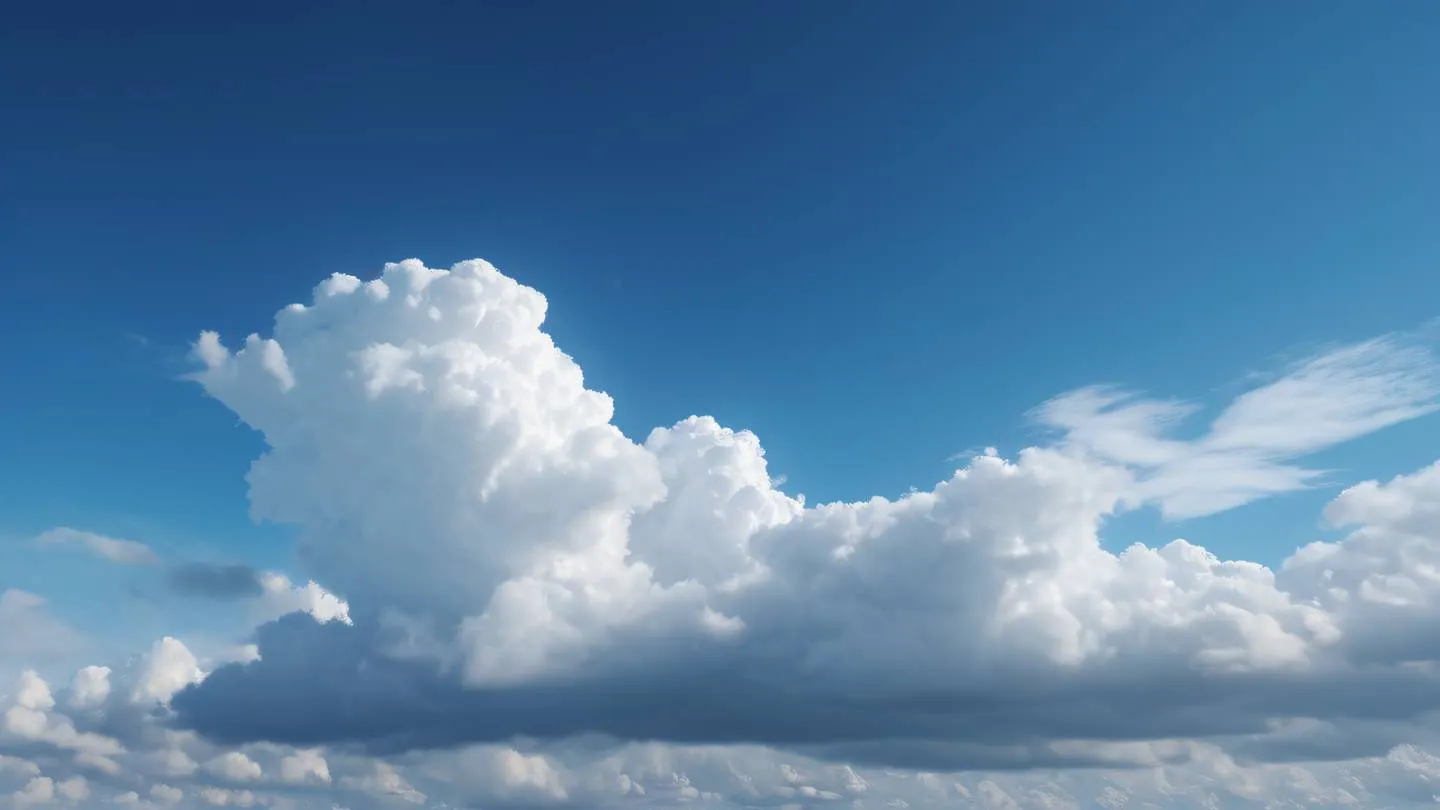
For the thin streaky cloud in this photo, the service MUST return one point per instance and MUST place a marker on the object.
(1250, 449)
(122, 552)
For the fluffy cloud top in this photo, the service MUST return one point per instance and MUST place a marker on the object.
(526, 570)
(168, 668)
(91, 687)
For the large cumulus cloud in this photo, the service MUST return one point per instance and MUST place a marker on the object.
(518, 568)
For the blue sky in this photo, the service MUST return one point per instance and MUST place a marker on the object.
(876, 236)
(936, 219)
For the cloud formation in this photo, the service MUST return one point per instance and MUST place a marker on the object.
(122, 552)
(524, 607)
(528, 571)
(1249, 450)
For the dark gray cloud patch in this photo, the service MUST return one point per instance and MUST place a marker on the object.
(208, 581)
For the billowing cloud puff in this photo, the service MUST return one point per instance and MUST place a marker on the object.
(168, 668)
(91, 687)
(279, 596)
(517, 568)
(234, 766)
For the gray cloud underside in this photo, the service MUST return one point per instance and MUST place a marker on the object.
(319, 684)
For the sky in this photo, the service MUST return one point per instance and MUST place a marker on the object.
(751, 405)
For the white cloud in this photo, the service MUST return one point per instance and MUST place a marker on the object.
(91, 687)
(1248, 452)
(40, 790)
(384, 781)
(33, 694)
(99, 763)
(168, 668)
(446, 467)
(27, 719)
(74, 789)
(539, 611)
(305, 766)
(123, 552)
(279, 596)
(221, 797)
(495, 773)
(17, 765)
(235, 767)
(173, 761)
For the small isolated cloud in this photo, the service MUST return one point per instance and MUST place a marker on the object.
(122, 552)
(304, 767)
(38, 791)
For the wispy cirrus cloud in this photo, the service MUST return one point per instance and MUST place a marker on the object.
(1252, 447)
(123, 552)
